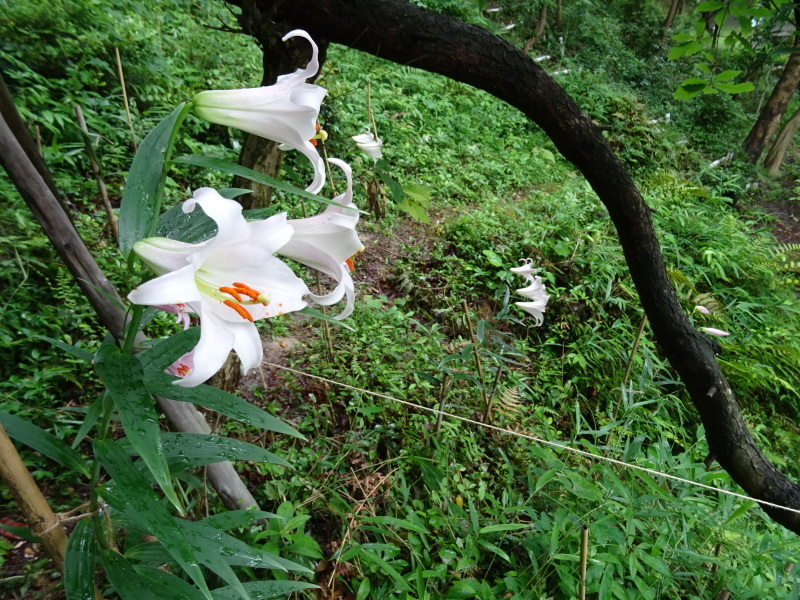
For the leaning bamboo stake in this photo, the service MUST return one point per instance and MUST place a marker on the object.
(98, 176)
(31, 502)
(104, 298)
(125, 98)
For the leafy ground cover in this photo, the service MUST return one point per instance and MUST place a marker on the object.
(382, 498)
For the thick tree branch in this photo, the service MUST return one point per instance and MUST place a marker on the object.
(403, 33)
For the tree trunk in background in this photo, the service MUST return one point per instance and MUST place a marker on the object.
(775, 155)
(258, 153)
(406, 34)
(559, 15)
(770, 116)
(674, 9)
(537, 33)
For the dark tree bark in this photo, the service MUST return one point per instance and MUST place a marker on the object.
(770, 116)
(674, 9)
(258, 153)
(403, 33)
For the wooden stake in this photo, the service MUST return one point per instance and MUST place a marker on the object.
(98, 176)
(584, 558)
(125, 98)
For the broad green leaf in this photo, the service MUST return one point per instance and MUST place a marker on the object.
(166, 586)
(704, 68)
(261, 590)
(139, 205)
(726, 76)
(147, 508)
(735, 88)
(709, 5)
(190, 450)
(691, 88)
(494, 259)
(395, 188)
(395, 522)
(234, 169)
(44, 442)
(419, 194)
(123, 577)
(231, 519)
(682, 38)
(414, 210)
(79, 562)
(123, 376)
(26, 533)
(75, 351)
(363, 589)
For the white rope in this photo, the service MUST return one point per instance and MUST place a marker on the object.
(538, 440)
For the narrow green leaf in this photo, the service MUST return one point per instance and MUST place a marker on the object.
(231, 519)
(44, 442)
(123, 375)
(26, 533)
(164, 352)
(166, 586)
(75, 351)
(503, 527)
(317, 314)
(495, 549)
(234, 169)
(386, 569)
(214, 545)
(394, 186)
(91, 417)
(220, 401)
(261, 590)
(395, 522)
(123, 577)
(79, 562)
(743, 509)
(150, 512)
(139, 205)
(190, 450)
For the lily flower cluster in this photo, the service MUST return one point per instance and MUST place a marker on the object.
(234, 279)
(535, 291)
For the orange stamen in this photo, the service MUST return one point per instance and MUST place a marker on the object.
(313, 142)
(351, 264)
(249, 293)
(242, 286)
(183, 370)
(239, 309)
(231, 292)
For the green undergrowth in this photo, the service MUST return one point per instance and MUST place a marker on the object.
(382, 500)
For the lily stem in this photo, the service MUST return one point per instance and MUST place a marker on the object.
(486, 402)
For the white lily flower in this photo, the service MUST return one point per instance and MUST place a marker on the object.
(286, 112)
(229, 281)
(326, 241)
(369, 144)
(715, 331)
(536, 291)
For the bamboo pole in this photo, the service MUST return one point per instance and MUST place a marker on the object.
(125, 98)
(31, 502)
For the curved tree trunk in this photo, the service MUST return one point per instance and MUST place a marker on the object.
(538, 31)
(775, 155)
(770, 116)
(403, 33)
(674, 9)
(280, 57)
